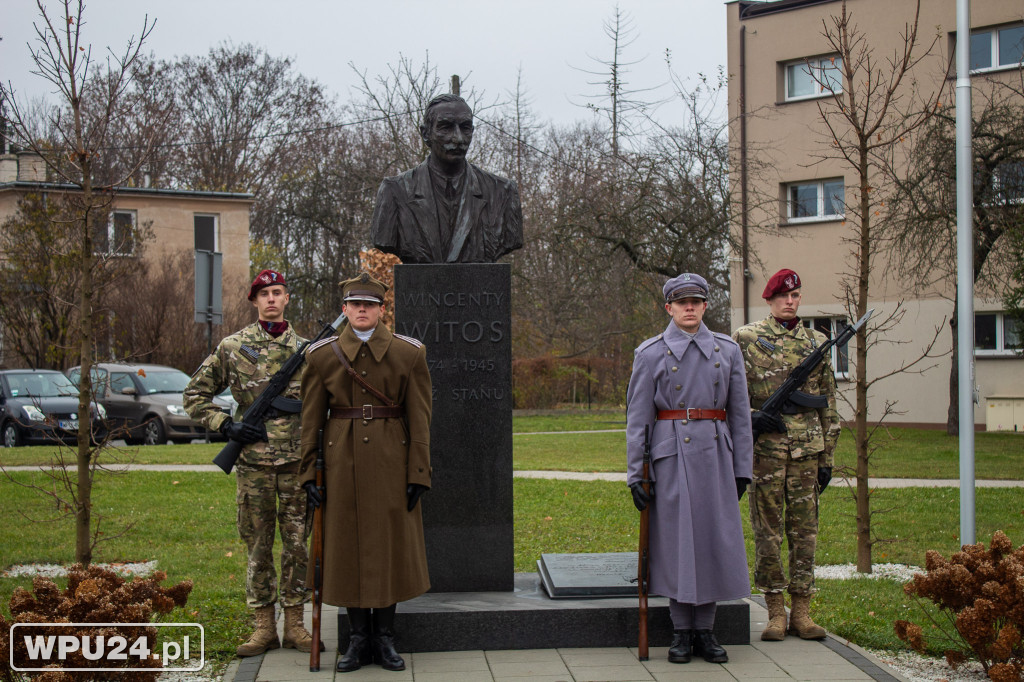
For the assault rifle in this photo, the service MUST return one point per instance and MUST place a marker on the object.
(644, 559)
(788, 396)
(271, 398)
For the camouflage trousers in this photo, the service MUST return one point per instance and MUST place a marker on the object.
(784, 497)
(271, 497)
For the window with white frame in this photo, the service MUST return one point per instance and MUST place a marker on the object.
(997, 334)
(206, 233)
(816, 77)
(1009, 180)
(839, 355)
(816, 200)
(117, 237)
(997, 48)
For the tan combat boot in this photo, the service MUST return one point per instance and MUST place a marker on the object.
(295, 635)
(265, 636)
(800, 622)
(775, 630)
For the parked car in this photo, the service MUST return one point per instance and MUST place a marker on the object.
(144, 403)
(39, 406)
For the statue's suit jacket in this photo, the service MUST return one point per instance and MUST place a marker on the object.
(489, 223)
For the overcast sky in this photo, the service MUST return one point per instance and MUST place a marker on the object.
(488, 40)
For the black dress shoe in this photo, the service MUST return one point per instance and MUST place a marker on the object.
(682, 647)
(704, 642)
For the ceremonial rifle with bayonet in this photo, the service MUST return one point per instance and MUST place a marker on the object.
(271, 399)
(643, 556)
(317, 554)
(788, 397)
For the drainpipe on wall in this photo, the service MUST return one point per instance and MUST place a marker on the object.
(744, 245)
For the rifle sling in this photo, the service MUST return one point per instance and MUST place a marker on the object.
(358, 379)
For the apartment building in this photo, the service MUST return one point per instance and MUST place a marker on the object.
(781, 67)
(180, 220)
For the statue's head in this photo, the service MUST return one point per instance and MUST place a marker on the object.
(447, 129)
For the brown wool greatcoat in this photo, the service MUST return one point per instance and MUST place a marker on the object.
(374, 553)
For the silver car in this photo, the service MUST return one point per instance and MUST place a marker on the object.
(40, 406)
(144, 403)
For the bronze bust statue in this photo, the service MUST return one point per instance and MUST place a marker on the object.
(447, 210)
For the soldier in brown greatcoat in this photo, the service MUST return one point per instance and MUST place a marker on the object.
(369, 390)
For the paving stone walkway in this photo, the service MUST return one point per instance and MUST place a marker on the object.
(831, 659)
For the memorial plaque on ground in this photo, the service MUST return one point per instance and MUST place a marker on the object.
(462, 313)
(572, 576)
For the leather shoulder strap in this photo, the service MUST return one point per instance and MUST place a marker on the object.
(355, 375)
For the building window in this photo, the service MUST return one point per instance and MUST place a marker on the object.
(206, 237)
(997, 48)
(117, 237)
(817, 77)
(1009, 180)
(831, 327)
(997, 334)
(819, 200)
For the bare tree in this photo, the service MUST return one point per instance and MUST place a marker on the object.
(84, 123)
(151, 314)
(923, 234)
(866, 117)
(622, 107)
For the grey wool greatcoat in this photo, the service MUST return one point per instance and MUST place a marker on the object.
(696, 537)
(374, 553)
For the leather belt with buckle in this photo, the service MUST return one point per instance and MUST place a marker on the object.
(692, 413)
(368, 412)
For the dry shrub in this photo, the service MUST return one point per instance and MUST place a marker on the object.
(548, 381)
(381, 266)
(93, 595)
(981, 594)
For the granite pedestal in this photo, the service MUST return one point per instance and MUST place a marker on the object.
(526, 618)
(462, 313)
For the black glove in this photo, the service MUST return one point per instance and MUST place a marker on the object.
(242, 432)
(762, 422)
(313, 497)
(741, 487)
(413, 491)
(824, 476)
(641, 498)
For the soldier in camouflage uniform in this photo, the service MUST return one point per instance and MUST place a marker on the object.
(269, 489)
(792, 456)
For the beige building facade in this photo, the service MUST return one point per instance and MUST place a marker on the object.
(179, 220)
(779, 61)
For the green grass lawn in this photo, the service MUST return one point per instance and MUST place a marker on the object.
(598, 516)
(902, 453)
(183, 520)
(186, 521)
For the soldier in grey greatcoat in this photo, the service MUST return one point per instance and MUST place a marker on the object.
(369, 391)
(689, 387)
(269, 491)
(792, 456)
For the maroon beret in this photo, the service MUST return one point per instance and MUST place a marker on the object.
(266, 278)
(781, 282)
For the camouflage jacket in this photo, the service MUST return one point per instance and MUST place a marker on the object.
(770, 352)
(245, 361)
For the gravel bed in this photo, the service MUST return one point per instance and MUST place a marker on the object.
(899, 572)
(54, 571)
(917, 668)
